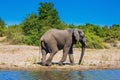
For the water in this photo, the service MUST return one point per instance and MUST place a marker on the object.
(60, 75)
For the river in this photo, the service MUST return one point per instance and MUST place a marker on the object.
(60, 75)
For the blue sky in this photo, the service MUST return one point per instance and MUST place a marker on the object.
(100, 12)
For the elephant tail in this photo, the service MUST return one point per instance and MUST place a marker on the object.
(43, 45)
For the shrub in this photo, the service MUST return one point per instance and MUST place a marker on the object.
(14, 35)
(93, 41)
(2, 27)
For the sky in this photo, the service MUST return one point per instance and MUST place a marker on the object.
(99, 12)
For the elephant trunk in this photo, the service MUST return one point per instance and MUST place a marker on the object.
(83, 42)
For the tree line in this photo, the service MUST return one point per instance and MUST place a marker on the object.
(34, 25)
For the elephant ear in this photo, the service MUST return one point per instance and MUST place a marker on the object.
(76, 34)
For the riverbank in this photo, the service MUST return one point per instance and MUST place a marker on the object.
(22, 57)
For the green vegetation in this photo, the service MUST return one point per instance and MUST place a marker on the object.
(15, 35)
(2, 27)
(34, 25)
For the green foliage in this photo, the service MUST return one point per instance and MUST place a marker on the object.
(48, 14)
(115, 31)
(72, 26)
(112, 33)
(31, 29)
(95, 29)
(2, 27)
(30, 25)
(93, 41)
(14, 34)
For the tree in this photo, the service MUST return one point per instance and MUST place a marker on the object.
(72, 26)
(99, 31)
(48, 14)
(2, 27)
(115, 31)
(30, 25)
(31, 29)
(106, 30)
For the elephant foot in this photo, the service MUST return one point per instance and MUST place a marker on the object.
(43, 63)
(60, 64)
(72, 64)
(48, 63)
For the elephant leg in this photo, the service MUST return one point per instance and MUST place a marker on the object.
(65, 52)
(71, 58)
(63, 59)
(43, 59)
(49, 60)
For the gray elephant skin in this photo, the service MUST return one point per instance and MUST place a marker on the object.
(54, 40)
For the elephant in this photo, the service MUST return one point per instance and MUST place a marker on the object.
(54, 40)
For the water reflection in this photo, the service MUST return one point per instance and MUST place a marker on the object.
(61, 75)
(76, 75)
(52, 75)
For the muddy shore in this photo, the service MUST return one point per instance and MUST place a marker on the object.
(22, 57)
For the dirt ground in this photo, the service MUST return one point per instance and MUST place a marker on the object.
(22, 57)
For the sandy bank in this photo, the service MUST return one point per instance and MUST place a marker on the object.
(21, 57)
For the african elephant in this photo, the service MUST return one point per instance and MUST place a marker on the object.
(54, 40)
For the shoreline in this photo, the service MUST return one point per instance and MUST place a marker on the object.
(22, 57)
(37, 67)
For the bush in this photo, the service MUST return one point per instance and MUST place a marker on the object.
(14, 35)
(2, 27)
(31, 40)
(93, 41)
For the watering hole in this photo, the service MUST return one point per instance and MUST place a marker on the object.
(60, 75)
